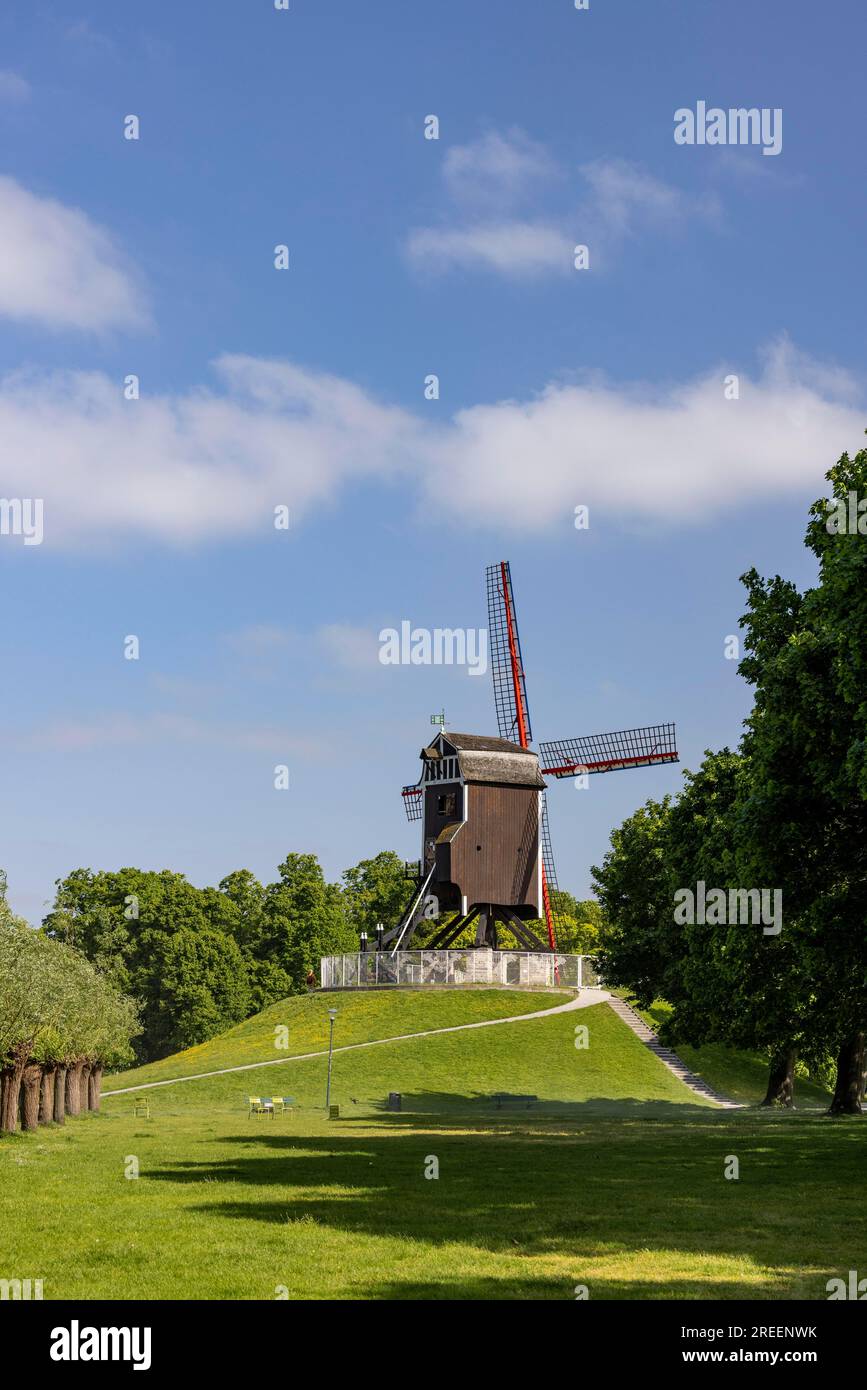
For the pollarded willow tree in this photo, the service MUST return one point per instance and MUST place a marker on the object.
(61, 1023)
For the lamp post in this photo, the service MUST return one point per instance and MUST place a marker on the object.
(332, 1014)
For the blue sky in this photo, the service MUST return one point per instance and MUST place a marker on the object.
(305, 387)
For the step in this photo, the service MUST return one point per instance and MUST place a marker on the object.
(667, 1056)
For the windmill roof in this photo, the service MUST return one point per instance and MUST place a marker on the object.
(495, 761)
(480, 743)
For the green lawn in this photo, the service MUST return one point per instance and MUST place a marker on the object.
(615, 1181)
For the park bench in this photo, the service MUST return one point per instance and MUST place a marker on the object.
(504, 1098)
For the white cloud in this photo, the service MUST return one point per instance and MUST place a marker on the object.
(347, 646)
(666, 455)
(624, 198)
(496, 169)
(487, 183)
(58, 268)
(13, 87)
(511, 248)
(351, 647)
(207, 465)
(120, 730)
(191, 466)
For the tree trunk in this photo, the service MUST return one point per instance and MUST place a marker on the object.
(30, 1079)
(10, 1089)
(46, 1096)
(847, 1088)
(94, 1086)
(84, 1087)
(781, 1079)
(73, 1088)
(60, 1096)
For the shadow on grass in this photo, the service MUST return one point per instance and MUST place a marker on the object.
(644, 1186)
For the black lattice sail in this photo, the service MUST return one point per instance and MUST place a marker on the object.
(507, 665)
(569, 757)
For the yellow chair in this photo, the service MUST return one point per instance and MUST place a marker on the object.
(258, 1106)
(142, 1108)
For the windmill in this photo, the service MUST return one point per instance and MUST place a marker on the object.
(486, 845)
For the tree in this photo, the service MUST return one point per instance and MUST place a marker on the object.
(578, 923)
(32, 979)
(305, 918)
(196, 987)
(639, 944)
(375, 890)
(60, 1020)
(806, 739)
(124, 921)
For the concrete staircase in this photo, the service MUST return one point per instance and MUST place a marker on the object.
(665, 1055)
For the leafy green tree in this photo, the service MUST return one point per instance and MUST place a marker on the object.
(196, 987)
(806, 740)
(244, 914)
(578, 924)
(375, 890)
(60, 1021)
(306, 919)
(639, 944)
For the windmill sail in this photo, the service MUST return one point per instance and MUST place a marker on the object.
(570, 757)
(507, 667)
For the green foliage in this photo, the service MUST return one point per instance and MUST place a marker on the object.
(200, 959)
(305, 918)
(376, 890)
(54, 1006)
(638, 938)
(196, 986)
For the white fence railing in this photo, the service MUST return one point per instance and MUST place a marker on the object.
(529, 969)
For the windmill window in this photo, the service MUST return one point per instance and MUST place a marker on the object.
(447, 805)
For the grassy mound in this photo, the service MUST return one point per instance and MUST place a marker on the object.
(454, 1072)
(362, 1017)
